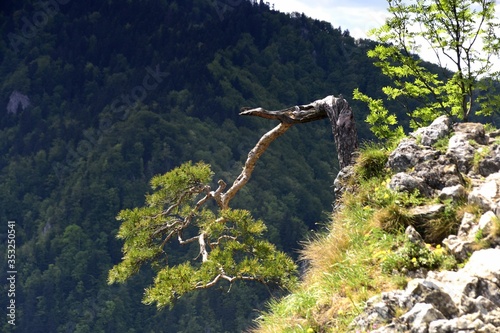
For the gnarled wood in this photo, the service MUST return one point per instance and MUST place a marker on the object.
(293, 115)
(167, 224)
(336, 109)
(252, 158)
(343, 129)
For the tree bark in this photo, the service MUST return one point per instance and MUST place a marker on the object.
(252, 158)
(335, 108)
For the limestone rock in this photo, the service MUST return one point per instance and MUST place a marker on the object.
(455, 302)
(431, 171)
(485, 264)
(413, 236)
(341, 183)
(427, 291)
(377, 314)
(491, 163)
(408, 154)
(485, 225)
(439, 172)
(407, 183)
(421, 214)
(468, 221)
(429, 135)
(472, 131)
(420, 316)
(459, 247)
(455, 192)
(461, 144)
(460, 148)
(487, 195)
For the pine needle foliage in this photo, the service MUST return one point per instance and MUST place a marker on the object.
(231, 242)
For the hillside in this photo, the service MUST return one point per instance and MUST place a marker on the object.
(98, 97)
(414, 244)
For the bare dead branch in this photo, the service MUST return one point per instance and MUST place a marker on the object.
(218, 192)
(230, 279)
(209, 284)
(293, 115)
(203, 247)
(252, 158)
(222, 238)
(165, 227)
(187, 241)
(170, 235)
(336, 109)
(202, 201)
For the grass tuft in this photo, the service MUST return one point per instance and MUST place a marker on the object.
(442, 144)
(393, 218)
(371, 161)
(495, 230)
(357, 256)
(445, 224)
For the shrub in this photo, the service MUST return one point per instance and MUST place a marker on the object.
(413, 256)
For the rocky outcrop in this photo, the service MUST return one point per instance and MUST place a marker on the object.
(408, 154)
(487, 193)
(445, 173)
(429, 135)
(431, 170)
(467, 169)
(445, 302)
(491, 163)
(472, 231)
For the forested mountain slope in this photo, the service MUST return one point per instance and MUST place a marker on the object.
(99, 96)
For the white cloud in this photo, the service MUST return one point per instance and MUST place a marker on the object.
(358, 16)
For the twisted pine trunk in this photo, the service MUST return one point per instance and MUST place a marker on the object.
(336, 109)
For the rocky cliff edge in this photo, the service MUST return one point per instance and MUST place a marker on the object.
(453, 163)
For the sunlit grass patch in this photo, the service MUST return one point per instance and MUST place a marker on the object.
(371, 161)
(363, 252)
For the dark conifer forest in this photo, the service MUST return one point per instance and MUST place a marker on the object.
(97, 97)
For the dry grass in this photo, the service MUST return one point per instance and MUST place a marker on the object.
(495, 230)
(343, 273)
(345, 262)
(325, 249)
(449, 221)
(392, 218)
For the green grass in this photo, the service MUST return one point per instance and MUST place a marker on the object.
(357, 256)
(371, 162)
(442, 144)
(479, 155)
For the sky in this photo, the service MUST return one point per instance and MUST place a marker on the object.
(357, 16)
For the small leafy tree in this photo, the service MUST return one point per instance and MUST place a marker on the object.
(461, 33)
(230, 242)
